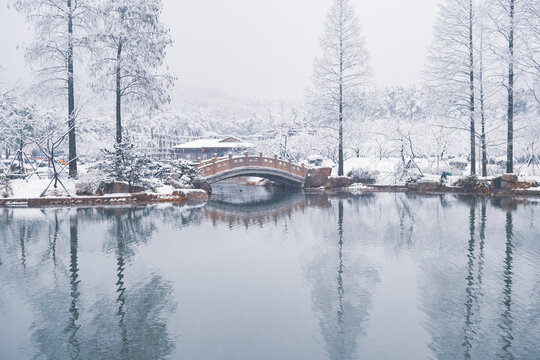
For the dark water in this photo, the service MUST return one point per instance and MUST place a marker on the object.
(261, 275)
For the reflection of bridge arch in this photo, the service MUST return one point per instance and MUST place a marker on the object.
(259, 213)
(218, 169)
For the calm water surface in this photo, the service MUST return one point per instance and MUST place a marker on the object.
(262, 275)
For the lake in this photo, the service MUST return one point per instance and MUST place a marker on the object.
(269, 274)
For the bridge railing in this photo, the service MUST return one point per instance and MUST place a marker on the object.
(216, 165)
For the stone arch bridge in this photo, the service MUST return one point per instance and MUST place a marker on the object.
(274, 169)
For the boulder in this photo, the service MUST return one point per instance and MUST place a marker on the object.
(175, 183)
(525, 184)
(338, 182)
(190, 196)
(317, 177)
(506, 181)
(422, 186)
(202, 184)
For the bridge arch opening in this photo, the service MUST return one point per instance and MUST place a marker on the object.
(273, 169)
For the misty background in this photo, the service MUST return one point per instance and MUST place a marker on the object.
(260, 49)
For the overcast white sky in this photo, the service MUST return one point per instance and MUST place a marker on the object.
(265, 48)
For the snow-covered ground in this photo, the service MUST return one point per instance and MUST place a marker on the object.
(33, 187)
(384, 170)
(387, 168)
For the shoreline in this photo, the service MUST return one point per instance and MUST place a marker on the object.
(439, 191)
(178, 197)
(199, 197)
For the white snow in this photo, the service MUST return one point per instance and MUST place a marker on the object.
(165, 189)
(214, 143)
(33, 187)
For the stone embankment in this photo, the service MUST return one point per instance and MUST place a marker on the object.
(177, 197)
(504, 185)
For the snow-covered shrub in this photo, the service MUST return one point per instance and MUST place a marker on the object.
(315, 160)
(175, 168)
(468, 183)
(363, 176)
(500, 161)
(88, 183)
(124, 164)
(5, 187)
(178, 173)
(412, 177)
(459, 163)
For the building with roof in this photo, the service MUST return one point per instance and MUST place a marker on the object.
(207, 148)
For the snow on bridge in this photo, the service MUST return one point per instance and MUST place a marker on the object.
(218, 169)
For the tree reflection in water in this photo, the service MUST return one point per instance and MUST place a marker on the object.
(142, 331)
(343, 283)
(506, 324)
(129, 324)
(94, 289)
(73, 326)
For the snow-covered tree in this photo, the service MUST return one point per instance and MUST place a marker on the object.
(125, 164)
(49, 144)
(60, 28)
(531, 48)
(284, 123)
(129, 51)
(451, 65)
(503, 16)
(340, 71)
(20, 124)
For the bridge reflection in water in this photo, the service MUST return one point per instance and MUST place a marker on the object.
(261, 205)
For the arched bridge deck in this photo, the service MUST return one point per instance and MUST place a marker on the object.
(218, 169)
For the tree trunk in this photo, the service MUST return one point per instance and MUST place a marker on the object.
(510, 134)
(21, 159)
(484, 145)
(74, 306)
(482, 110)
(340, 148)
(471, 87)
(340, 145)
(71, 98)
(118, 95)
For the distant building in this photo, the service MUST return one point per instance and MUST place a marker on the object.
(207, 148)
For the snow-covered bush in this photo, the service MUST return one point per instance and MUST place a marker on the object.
(178, 173)
(459, 163)
(5, 187)
(363, 176)
(88, 183)
(174, 168)
(124, 164)
(468, 183)
(315, 160)
(500, 161)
